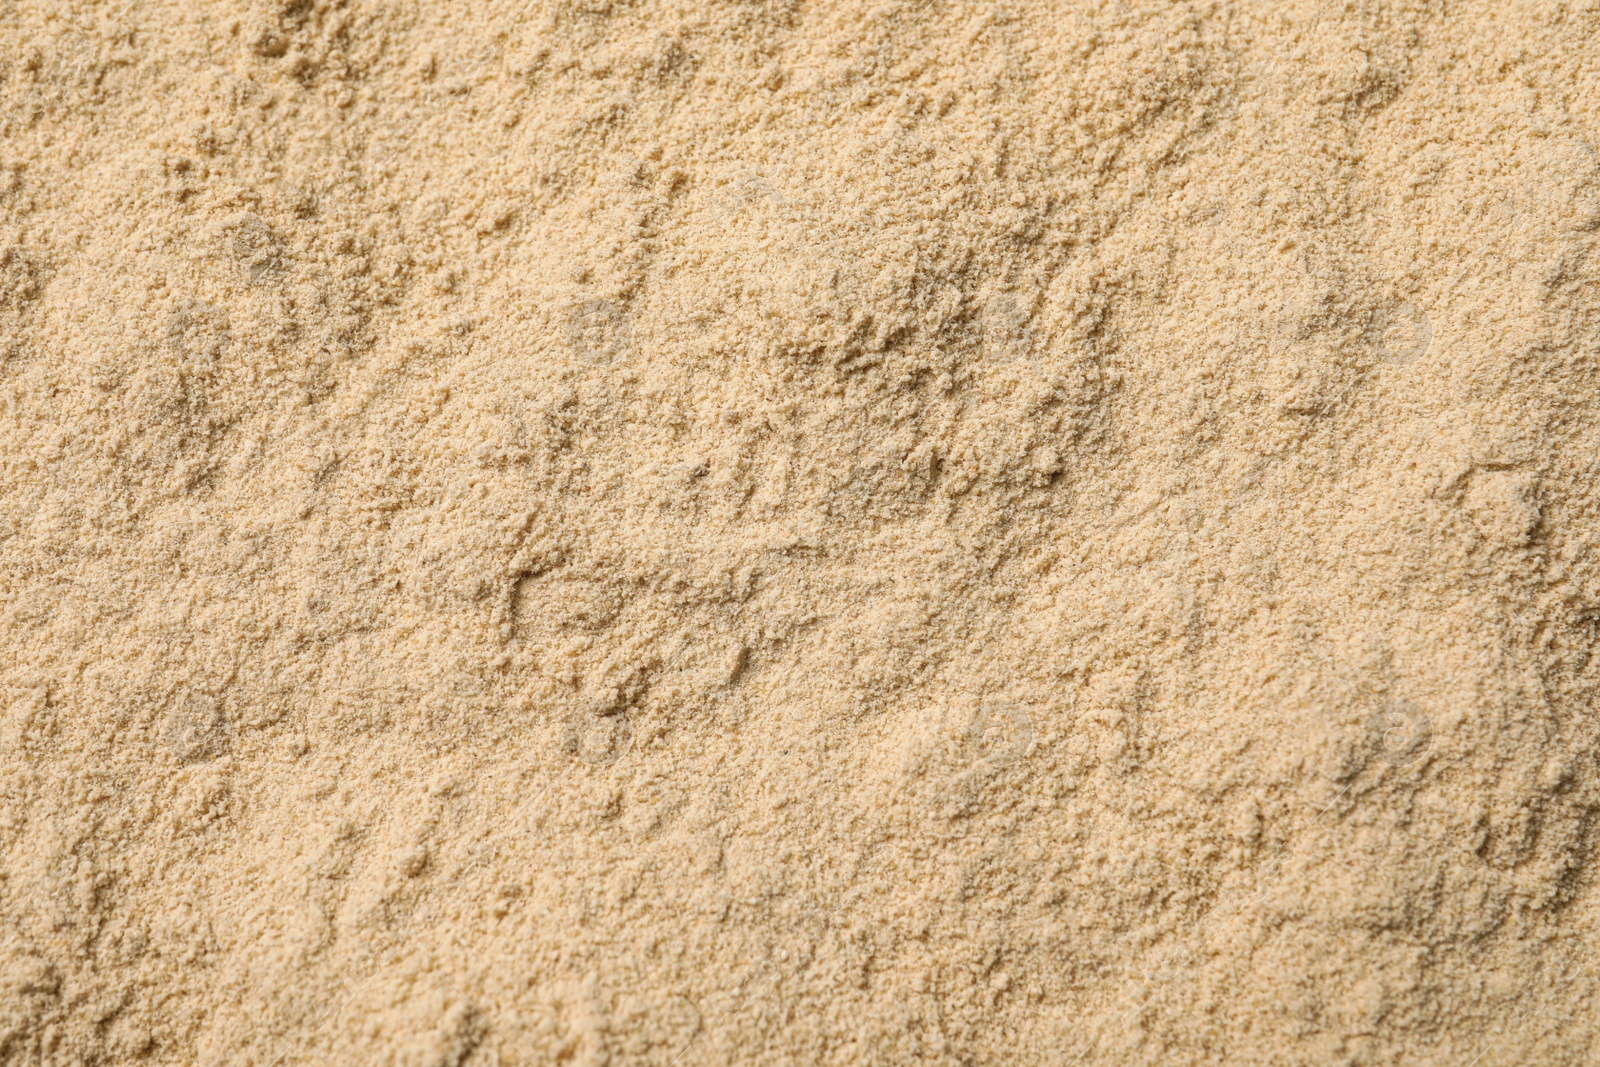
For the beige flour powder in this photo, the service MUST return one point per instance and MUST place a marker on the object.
(687, 532)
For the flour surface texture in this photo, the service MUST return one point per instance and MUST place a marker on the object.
(649, 532)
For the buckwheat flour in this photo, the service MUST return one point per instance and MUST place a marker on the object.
(664, 532)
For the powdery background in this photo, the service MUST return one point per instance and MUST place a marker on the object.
(689, 533)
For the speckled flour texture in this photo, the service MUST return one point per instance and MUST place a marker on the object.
(689, 532)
